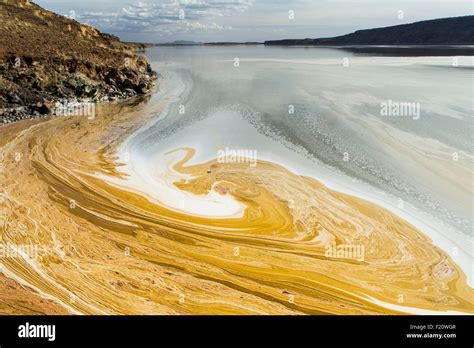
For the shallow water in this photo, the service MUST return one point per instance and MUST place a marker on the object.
(318, 112)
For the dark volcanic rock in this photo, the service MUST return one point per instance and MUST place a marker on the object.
(44, 107)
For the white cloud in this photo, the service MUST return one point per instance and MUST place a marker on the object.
(170, 17)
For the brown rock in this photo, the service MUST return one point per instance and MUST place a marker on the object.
(42, 59)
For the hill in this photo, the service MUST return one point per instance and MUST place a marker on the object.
(444, 31)
(46, 58)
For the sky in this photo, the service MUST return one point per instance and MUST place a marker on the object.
(159, 21)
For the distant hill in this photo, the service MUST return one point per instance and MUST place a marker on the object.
(193, 43)
(178, 43)
(225, 43)
(185, 42)
(444, 31)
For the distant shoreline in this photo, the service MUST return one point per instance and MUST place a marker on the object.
(441, 32)
(171, 44)
(386, 50)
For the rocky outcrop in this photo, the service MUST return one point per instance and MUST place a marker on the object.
(47, 59)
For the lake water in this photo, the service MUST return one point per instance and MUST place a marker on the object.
(397, 131)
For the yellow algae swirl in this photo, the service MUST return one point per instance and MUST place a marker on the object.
(297, 248)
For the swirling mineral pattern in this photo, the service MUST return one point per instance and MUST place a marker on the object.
(259, 240)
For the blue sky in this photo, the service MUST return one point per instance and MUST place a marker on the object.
(248, 20)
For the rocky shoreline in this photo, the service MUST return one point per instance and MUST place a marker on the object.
(26, 97)
(49, 63)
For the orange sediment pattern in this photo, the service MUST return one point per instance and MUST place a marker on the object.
(111, 250)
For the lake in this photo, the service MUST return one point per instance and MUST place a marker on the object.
(394, 130)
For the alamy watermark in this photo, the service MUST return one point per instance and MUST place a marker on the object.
(28, 330)
(345, 251)
(403, 109)
(32, 251)
(75, 108)
(237, 156)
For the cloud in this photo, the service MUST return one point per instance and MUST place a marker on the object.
(248, 20)
(167, 17)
